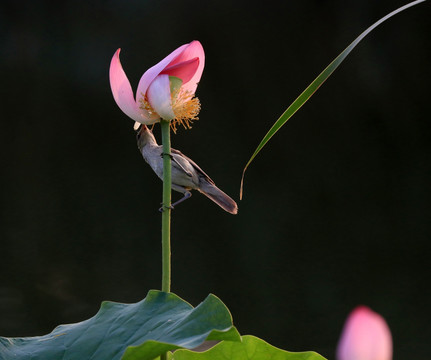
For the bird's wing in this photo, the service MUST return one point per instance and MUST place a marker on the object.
(184, 161)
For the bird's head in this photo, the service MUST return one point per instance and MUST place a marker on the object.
(144, 136)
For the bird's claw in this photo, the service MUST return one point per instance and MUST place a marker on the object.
(164, 207)
(163, 154)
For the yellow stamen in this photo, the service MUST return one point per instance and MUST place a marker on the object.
(185, 106)
(145, 105)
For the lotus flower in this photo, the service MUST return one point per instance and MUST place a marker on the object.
(365, 336)
(165, 91)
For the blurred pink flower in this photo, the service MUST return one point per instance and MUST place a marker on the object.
(365, 336)
(166, 90)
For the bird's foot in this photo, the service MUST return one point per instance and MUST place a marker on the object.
(163, 154)
(164, 207)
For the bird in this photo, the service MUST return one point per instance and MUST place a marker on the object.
(186, 174)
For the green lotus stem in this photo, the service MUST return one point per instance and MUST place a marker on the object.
(166, 214)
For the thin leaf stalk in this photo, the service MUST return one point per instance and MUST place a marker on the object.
(166, 207)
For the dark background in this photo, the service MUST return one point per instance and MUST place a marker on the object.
(336, 210)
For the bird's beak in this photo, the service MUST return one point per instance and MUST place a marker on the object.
(137, 126)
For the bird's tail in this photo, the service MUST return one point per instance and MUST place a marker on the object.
(219, 197)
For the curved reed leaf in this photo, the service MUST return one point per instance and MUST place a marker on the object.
(312, 88)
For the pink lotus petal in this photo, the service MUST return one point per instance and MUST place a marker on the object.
(193, 50)
(183, 54)
(185, 70)
(152, 72)
(159, 97)
(365, 336)
(121, 89)
(123, 93)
